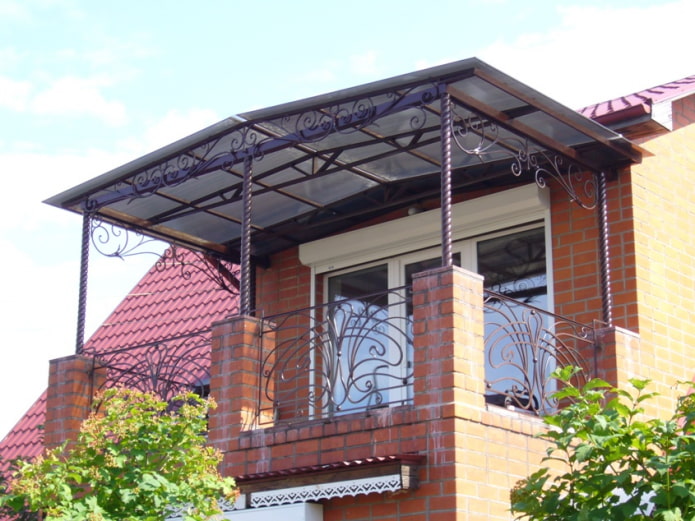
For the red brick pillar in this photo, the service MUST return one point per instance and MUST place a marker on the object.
(236, 382)
(449, 387)
(448, 328)
(72, 381)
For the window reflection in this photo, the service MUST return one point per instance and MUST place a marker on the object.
(519, 353)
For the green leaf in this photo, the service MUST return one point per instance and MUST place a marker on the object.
(138, 460)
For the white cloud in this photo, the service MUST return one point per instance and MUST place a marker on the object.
(364, 64)
(34, 301)
(177, 124)
(15, 94)
(14, 10)
(75, 96)
(596, 53)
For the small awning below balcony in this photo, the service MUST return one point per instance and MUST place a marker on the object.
(328, 163)
(328, 481)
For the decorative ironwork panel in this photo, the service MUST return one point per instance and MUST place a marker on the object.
(167, 368)
(579, 184)
(114, 241)
(481, 137)
(111, 240)
(220, 271)
(348, 355)
(523, 346)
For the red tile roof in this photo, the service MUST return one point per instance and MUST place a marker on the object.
(25, 440)
(638, 103)
(172, 302)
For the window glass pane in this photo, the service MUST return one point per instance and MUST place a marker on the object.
(519, 353)
(516, 266)
(359, 369)
(358, 283)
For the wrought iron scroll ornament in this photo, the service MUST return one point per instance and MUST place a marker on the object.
(479, 136)
(223, 272)
(353, 358)
(523, 346)
(579, 184)
(167, 368)
(317, 124)
(169, 173)
(111, 240)
(473, 134)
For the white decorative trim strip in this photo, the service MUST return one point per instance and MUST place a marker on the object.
(338, 489)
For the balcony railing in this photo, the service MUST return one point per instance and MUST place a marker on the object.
(348, 355)
(166, 368)
(524, 345)
(356, 354)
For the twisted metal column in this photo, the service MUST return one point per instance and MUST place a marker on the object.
(604, 254)
(445, 130)
(84, 275)
(245, 260)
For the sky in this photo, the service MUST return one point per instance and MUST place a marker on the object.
(86, 86)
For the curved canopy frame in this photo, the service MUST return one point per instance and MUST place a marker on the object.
(259, 183)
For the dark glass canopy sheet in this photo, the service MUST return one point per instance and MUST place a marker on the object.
(327, 163)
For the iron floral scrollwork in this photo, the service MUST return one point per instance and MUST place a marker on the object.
(481, 137)
(221, 271)
(111, 240)
(167, 368)
(579, 184)
(362, 355)
(473, 134)
(354, 358)
(524, 345)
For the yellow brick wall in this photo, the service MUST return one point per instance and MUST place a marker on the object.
(663, 190)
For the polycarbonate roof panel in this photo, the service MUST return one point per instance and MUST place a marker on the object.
(272, 208)
(340, 158)
(208, 227)
(327, 189)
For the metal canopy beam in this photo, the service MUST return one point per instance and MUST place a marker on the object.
(632, 154)
(519, 128)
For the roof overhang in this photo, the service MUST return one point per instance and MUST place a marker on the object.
(392, 474)
(328, 163)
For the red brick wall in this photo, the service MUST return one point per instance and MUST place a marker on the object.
(72, 381)
(284, 286)
(473, 455)
(576, 273)
(683, 112)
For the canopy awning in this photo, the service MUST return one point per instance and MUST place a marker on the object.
(327, 163)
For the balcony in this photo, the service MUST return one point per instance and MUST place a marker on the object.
(358, 355)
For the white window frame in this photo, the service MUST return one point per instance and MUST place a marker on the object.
(418, 237)
(484, 215)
